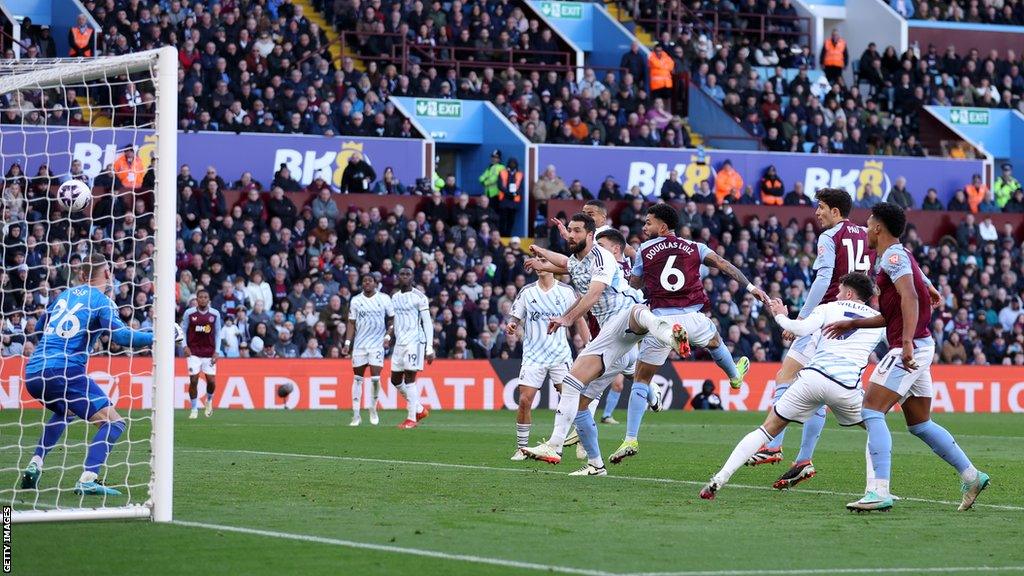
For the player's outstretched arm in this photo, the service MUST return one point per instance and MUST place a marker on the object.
(800, 327)
(715, 261)
(542, 265)
(121, 334)
(559, 260)
(837, 329)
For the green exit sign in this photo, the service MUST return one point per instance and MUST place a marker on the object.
(969, 116)
(566, 10)
(435, 108)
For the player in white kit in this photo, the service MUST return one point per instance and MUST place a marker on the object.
(832, 377)
(414, 342)
(544, 355)
(368, 327)
(624, 321)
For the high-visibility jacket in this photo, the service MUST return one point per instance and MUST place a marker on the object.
(1004, 189)
(834, 53)
(771, 191)
(81, 42)
(130, 175)
(727, 181)
(489, 179)
(975, 196)
(661, 70)
(511, 189)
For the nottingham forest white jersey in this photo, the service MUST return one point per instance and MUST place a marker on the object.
(369, 314)
(408, 322)
(600, 265)
(841, 359)
(535, 307)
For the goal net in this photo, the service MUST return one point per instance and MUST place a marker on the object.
(111, 123)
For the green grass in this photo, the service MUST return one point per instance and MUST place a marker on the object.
(366, 487)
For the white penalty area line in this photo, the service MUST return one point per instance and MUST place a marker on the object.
(576, 571)
(536, 470)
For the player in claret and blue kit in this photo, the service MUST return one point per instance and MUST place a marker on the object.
(56, 372)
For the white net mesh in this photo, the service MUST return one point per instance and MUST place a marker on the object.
(94, 121)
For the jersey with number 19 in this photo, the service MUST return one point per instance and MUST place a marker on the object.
(411, 335)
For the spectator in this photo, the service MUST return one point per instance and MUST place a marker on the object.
(707, 399)
(953, 350)
(548, 185)
(958, 203)
(728, 182)
(931, 200)
(899, 194)
(771, 188)
(80, 38)
(671, 188)
(635, 63)
(389, 184)
(796, 196)
(976, 193)
(358, 175)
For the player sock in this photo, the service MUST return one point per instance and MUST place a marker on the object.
(587, 428)
(746, 448)
(37, 460)
(611, 401)
(209, 399)
(811, 433)
(780, 389)
(942, 443)
(105, 437)
(565, 413)
(870, 471)
(636, 408)
(357, 393)
(193, 403)
(52, 431)
(879, 442)
(522, 433)
(723, 358)
(412, 398)
(375, 387)
(592, 408)
(655, 326)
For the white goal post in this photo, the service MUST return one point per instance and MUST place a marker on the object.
(155, 499)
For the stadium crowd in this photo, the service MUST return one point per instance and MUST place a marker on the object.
(282, 272)
(1009, 12)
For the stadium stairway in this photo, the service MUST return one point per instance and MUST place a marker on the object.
(333, 38)
(646, 39)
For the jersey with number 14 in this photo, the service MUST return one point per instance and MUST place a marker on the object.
(844, 249)
(670, 268)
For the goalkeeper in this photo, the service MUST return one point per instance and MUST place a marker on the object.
(56, 372)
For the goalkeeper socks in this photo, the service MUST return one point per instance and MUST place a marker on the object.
(746, 448)
(105, 437)
(723, 358)
(637, 406)
(522, 434)
(357, 393)
(611, 402)
(811, 433)
(879, 442)
(780, 389)
(587, 429)
(52, 431)
(565, 413)
(942, 443)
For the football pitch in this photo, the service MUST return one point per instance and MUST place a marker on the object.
(283, 492)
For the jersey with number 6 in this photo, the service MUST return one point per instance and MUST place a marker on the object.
(844, 249)
(670, 268)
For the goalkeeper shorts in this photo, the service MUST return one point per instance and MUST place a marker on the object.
(66, 391)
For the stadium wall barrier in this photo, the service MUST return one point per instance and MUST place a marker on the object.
(479, 385)
(231, 154)
(648, 168)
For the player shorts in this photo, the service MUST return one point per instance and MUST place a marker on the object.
(408, 358)
(197, 364)
(803, 348)
(364, 356)
(533, 375)
(891, 373)
(624, 365)
(66, 391)
(699, 329)
(614, 342)
(811, 390)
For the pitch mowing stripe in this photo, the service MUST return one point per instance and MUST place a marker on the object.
(811, 571)
(397, 549)
(578, 571)
(540, 471)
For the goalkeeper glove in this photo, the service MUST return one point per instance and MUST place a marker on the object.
(179, 335)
